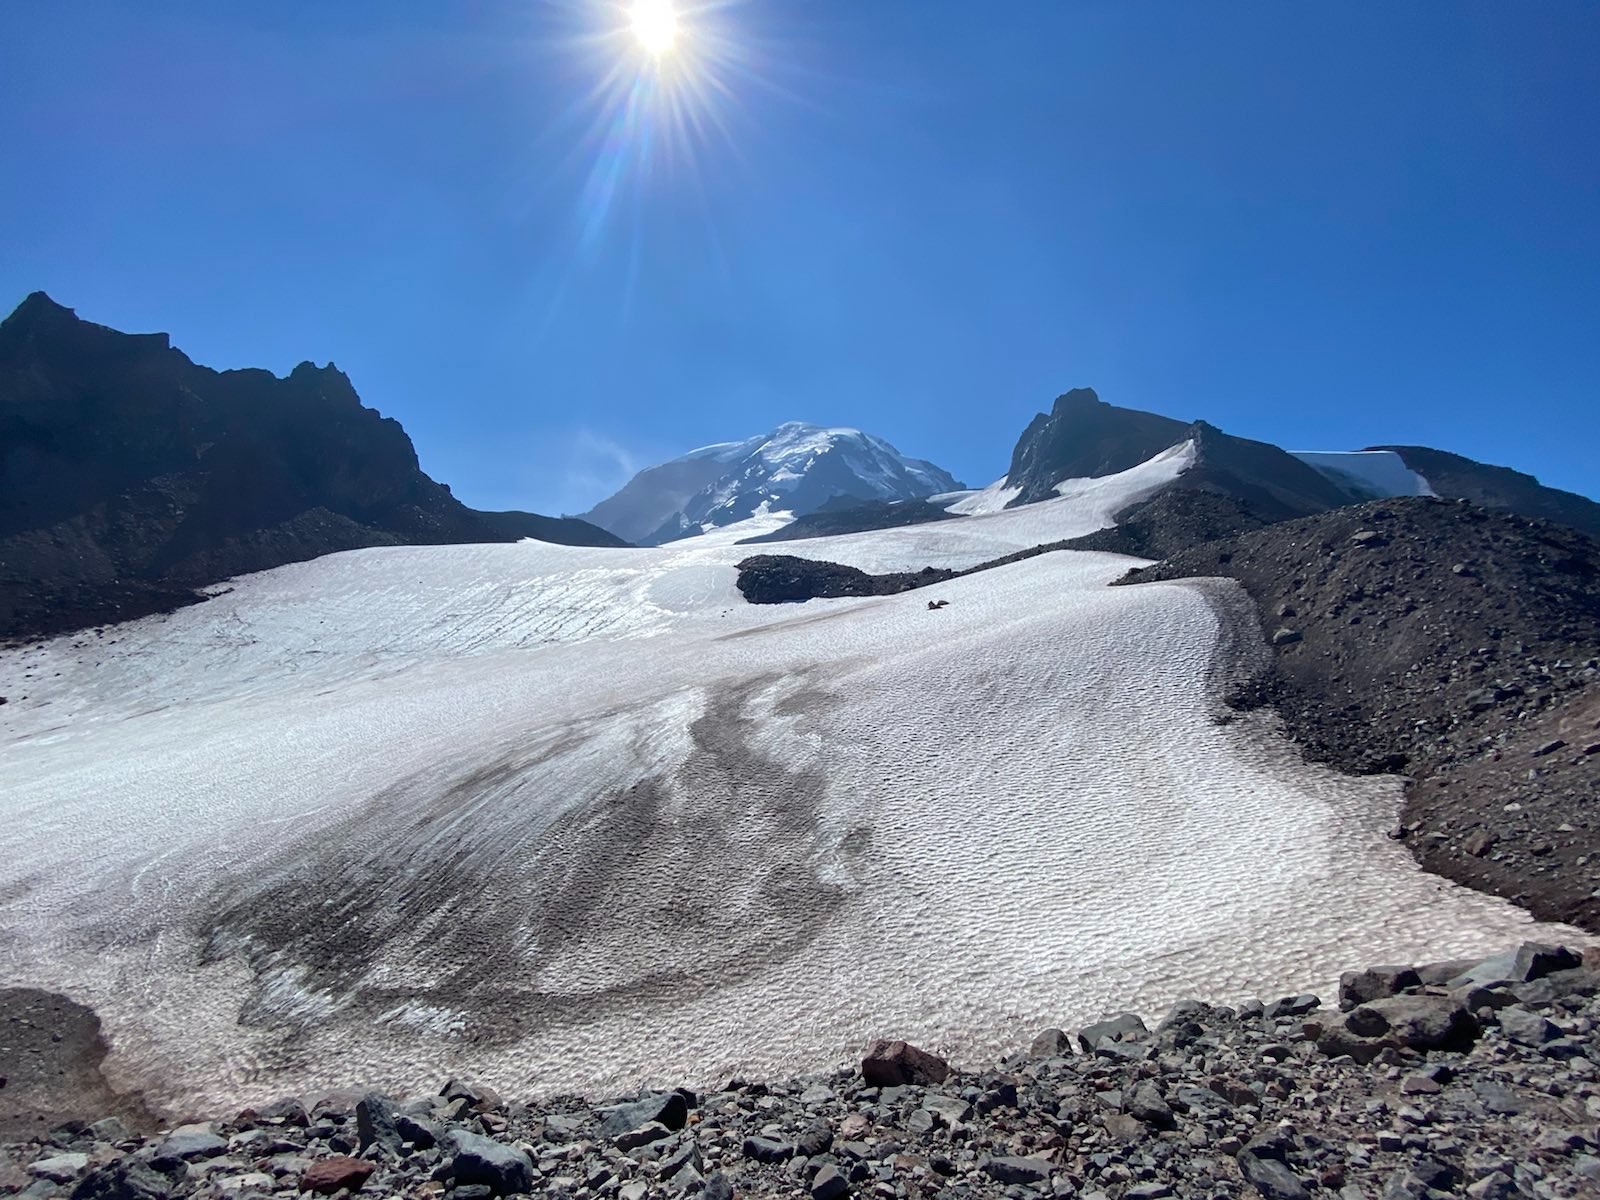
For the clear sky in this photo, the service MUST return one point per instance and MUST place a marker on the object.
(1325, 226)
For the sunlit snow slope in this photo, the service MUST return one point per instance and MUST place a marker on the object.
(562, 818)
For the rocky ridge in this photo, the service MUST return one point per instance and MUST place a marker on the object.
(1475, 1078)
(130, 476)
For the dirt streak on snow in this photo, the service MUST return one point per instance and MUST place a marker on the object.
(567, 818)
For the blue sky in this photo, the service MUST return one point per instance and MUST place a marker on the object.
(1324, 226)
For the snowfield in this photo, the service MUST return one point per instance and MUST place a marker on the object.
(581, 819)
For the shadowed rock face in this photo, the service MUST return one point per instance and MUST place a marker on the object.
(130, 475)
(1460, 478)
(1083, 437)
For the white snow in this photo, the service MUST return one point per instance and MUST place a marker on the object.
(561, 818)
(1376, 473)
(985, 500)
(796, 467)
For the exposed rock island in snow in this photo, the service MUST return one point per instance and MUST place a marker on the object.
(580, 818)
(795, 469)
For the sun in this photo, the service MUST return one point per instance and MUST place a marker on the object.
(655, 25)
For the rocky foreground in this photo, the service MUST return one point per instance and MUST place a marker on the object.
(1467, 1078)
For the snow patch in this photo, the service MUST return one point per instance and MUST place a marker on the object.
(1375, 474)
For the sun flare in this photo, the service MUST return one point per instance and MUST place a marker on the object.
(655, 24)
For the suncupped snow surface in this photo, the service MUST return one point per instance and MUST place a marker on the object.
(581, 819)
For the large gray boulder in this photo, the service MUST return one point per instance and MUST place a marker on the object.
(1125, 1027)
(666, 1108)
(503, 1169)
(1402, 1022)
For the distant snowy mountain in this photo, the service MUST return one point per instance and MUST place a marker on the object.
(796, 468)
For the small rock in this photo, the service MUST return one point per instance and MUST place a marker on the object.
(767, 1150)
(632, 1139)
(1016, 1170)
(1285, 636)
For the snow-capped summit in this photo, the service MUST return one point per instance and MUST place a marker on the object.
(796, 468)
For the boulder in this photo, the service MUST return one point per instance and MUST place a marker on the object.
(667, 1108)
(375, 1123)
(650, 1131)
(188, 1143)
(1051, 1044)
(1375, 983)
(896, 1063)
(1147, 1105)
(1400, 1022)
(59, 1168)
(1535, 960)
(1272, 1178)
(1121, 1028)
(504, 1170)
(125, 1179)
(1526, 1028)
(828, 1184)
(336, 1174)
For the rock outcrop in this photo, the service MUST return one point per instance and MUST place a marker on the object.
(130, 476)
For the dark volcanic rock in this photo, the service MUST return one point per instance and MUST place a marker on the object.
(1081, 437)
(784, 579)
(503, 1169)
(668, 1108)
(1461, 478)
(1454, 678)
(893, 1063)
(125, 1179)
(129, 475)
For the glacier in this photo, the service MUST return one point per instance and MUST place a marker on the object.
(572, 819)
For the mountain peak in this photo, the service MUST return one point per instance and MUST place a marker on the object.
(796, 468)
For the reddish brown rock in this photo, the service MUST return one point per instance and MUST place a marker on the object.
(891, 1064)
(331, 1174)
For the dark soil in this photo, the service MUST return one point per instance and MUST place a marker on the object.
(1171, 522)
(50, 1055)
(1455, 645)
